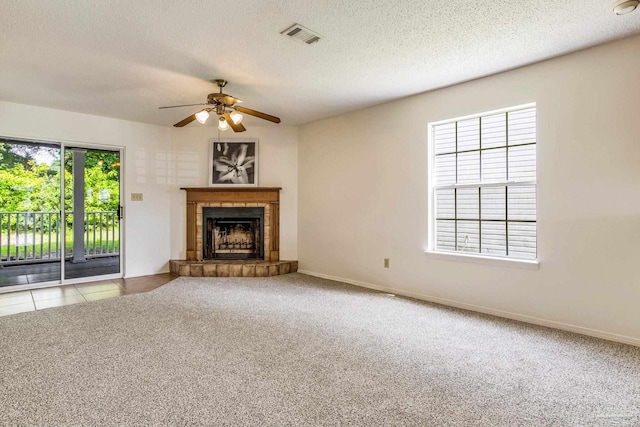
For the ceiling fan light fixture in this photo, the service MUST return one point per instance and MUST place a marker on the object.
(224, 107)
(202, 116)
(622, 7)
(222, 124)
(236, 117)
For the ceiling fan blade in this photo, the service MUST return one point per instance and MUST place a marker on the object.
(185, 121)
(255, 113)
(236, 127)
(174, 106)
(229, 100)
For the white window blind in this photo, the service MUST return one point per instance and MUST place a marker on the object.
(484, 191)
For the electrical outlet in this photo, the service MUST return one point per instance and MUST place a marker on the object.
(386, 263)
(136, 197)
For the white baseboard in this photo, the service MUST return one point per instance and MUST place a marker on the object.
(486, 310)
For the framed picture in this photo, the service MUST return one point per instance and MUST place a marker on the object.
(233, 163)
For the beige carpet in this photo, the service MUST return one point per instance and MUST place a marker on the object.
(297, 350)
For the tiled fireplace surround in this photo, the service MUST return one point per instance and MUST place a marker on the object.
(203, 197)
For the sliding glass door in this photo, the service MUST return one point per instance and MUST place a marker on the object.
(30, 222)
(92, 212)
(59, 213)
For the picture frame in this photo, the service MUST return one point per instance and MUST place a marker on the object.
(233, 162)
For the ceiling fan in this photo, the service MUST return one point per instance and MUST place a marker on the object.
(224, 106)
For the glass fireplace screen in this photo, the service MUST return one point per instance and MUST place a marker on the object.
(233, 237)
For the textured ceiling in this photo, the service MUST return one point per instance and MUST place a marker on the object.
(124, 58)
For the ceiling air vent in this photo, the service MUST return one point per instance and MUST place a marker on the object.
(301, 34)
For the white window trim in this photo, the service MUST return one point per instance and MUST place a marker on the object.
(431, 227)
(529, 264)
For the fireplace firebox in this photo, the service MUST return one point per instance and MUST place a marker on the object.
(233, 233)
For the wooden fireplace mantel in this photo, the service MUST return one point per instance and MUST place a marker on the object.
(267, 197)
(230, 195)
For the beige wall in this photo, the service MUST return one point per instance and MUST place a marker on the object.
(363, 195)
(278, 167)
(146, 248)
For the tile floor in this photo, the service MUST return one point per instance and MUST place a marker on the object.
(40, 299)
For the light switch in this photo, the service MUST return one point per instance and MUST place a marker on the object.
(136, 197)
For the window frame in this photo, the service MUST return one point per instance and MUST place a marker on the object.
(481, 258)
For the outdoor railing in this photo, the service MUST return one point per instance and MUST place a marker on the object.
(37, 236)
